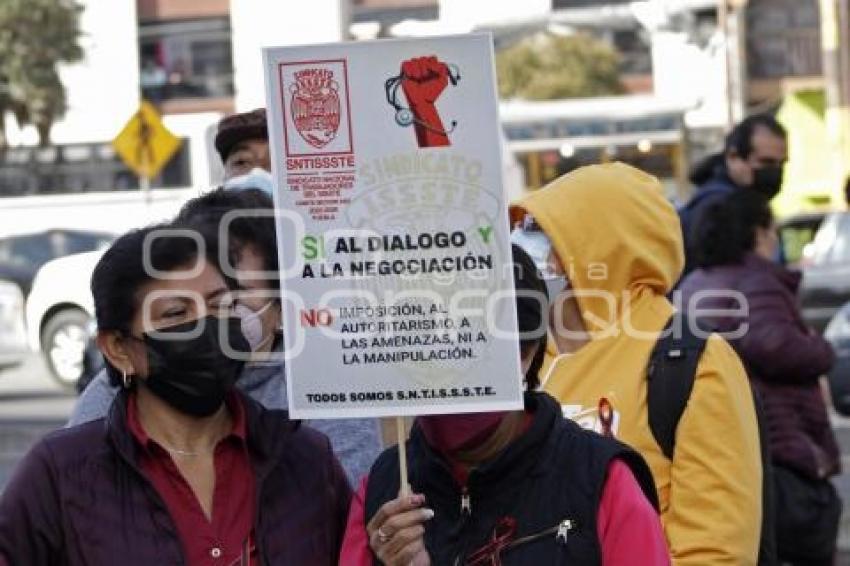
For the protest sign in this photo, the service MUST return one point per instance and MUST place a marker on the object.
(392, 225)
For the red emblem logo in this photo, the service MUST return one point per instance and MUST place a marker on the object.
(315, 106)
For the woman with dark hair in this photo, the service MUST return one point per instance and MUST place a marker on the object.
(735, 229)
(184, 469)
(753, 301)
(242, 223)
(524, 487)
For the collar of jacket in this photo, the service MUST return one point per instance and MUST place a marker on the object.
(268, 432)
(719, 183)
(721, 177)
(790, 279)
(519, 460)
(256, 374)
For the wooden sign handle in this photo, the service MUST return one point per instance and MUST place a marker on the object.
(402, 455)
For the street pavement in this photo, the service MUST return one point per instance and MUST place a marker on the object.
(31, 405)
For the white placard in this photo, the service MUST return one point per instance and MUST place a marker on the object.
(393, 231)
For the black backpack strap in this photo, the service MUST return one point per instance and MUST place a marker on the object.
(768, 554)
(671, 374)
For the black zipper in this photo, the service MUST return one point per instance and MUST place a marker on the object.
(465, 517)
(465, 502)
(258, 498)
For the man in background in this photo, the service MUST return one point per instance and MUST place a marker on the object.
(753, 158)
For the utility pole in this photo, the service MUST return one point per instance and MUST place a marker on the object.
(732, 20)
(835, 44)
(723, 24)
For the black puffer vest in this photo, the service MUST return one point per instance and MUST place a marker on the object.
(548, 484)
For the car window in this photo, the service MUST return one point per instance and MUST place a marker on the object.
(5, 251)
(795, 236)
(79, 242)
(30, 251)
(34, 250)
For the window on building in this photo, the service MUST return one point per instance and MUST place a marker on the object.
(80, 168)
(186, 59)
(783, 39)
(634, 48)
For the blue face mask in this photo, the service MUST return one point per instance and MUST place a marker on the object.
(256, 178)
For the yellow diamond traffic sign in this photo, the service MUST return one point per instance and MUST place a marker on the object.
(145, 144)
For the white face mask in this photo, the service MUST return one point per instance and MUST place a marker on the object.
(555, 285)
(256, 178)
(252, 324)
(539, 247)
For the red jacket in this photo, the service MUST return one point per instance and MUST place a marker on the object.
(79, 498)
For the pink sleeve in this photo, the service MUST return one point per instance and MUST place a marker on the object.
(355, 546)
(629, 528)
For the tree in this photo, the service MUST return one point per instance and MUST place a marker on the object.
(35, 37)
(547, 67)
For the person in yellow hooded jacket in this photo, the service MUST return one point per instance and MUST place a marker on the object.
(618, 242)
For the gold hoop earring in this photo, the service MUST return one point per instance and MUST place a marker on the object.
(126, 380)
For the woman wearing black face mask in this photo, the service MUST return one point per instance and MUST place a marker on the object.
(184, 469)
(518, 488)
(252, 250)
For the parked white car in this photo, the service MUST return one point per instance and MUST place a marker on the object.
(59, 311)
(13, 337)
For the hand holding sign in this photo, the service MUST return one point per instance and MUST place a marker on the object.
(396, 532)
(423, 80)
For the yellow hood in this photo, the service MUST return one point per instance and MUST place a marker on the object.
(613, 220)
(614, 232)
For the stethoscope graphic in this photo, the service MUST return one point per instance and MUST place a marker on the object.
(403, 115)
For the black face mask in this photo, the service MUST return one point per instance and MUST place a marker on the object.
(767, 180)
(194, 375)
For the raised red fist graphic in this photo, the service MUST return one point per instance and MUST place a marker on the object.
(423, 79)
